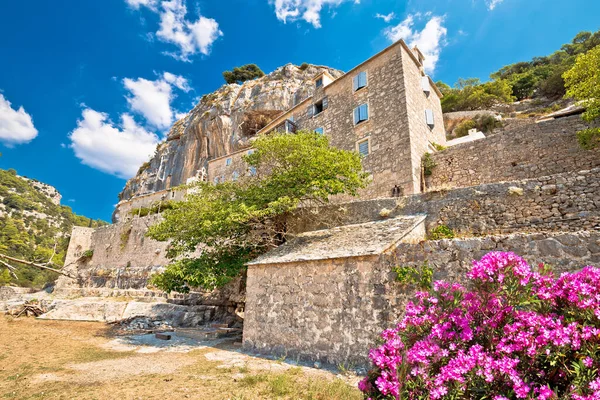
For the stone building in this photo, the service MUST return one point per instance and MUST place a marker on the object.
(386, 108)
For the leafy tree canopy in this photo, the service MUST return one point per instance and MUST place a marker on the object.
(471, 94)
(583, 83)
(242, 74)
(234, 222)
(541, 76)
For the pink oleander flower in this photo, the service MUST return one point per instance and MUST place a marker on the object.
(508, 332)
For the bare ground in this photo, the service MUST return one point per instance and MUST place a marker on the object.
(81, 360)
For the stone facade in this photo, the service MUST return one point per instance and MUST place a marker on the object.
(396, 129)
(126, 209)
(333, 310)
(229, 167)
(523, 152)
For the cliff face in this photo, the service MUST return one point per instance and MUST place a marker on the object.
(221, 123)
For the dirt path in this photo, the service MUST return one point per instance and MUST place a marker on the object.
(71, 360)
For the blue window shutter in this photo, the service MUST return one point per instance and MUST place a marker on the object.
(311, 110)
(355, 83)
(364, 112)
(319, 131)
(325, 103)
(363, 148)
(356, 115)
(362, 79)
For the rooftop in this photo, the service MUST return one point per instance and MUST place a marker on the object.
(371, 238)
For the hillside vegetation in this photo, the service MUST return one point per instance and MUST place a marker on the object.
(541, 77)
(31, 224)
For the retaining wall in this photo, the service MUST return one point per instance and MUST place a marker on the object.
(522, 152)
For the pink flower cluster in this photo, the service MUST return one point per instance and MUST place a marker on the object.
(517, 333)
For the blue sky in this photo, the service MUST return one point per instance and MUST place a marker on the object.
(87, 88)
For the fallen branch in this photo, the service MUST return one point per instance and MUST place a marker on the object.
(32, 264)
(31, 309)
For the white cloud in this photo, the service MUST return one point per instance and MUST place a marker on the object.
(429, 40)
(491, 4)
(146, 3)
(16, 126)
(308, 10)
(178, 81)
(152, 99)
(191, 37)
(387, 18)
(116, 149)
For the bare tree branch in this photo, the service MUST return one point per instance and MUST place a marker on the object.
(10, 268)
(32, 264)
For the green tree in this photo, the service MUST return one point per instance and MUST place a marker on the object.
(234, 222)
(583, 83)
(242, 74)
(471, 94)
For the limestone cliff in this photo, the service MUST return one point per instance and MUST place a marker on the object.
(221, 123)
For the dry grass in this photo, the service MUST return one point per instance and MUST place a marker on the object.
(71, 360)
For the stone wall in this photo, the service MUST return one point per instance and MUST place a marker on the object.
(123, 256)
(519, 152)
(452, 259)
(333, 310)
(561, 202)
(126, 209)
(123, 260)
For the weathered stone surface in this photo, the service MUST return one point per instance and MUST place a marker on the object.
(371, 238)
(523, 150)
(486, 209)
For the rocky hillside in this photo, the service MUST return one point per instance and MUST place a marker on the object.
(221, 123)
(32, 221)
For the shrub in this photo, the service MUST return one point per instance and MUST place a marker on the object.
(441, 232)
(589, 138)
(242, 74)
(419, 276)
(515, 333)
(463, 128)
(428, 164)
(87, 255)
(582, 82)
(304, 66)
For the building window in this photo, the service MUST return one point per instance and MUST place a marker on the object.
(252, 171)
(359, 81)
(320, 106)
(319, 131)
(216, 180)
(363, 147)
(319, 82)
(361, 114)
(425, 85)
(235, 176)
(429, 118)
(228, 162)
